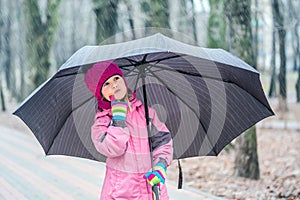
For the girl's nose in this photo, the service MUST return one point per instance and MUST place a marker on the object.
(114, 85)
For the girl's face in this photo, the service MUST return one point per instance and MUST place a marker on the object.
(116, 86)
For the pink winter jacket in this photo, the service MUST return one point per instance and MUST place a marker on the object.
(127, 152)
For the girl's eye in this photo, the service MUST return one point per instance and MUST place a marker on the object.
(116, 78)
(106, 84)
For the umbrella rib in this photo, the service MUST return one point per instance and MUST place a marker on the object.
(69, 74)
(130, 60)
(168, 88)
(208, 77)
(126, 74)
(143, 61)
(69, 116)
(162, 59)
(133, 62)
(191, 73)
(124, 67)
(137, 80)
(213, 148)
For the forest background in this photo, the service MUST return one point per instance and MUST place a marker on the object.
(38, 36)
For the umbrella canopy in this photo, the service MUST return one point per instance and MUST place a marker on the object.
(206, 97)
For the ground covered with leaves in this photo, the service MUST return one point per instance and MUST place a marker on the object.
(279, 161)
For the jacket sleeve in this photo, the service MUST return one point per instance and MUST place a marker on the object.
(109, 140)
(162, 143)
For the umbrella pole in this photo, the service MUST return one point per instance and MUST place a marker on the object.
(155, 188)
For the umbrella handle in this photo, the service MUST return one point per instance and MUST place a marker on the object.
(155, 188)
(155, 192)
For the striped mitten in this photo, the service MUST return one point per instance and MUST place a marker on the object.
(158, 175)
(119, 111)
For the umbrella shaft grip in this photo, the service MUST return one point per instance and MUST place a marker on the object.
(155, 192)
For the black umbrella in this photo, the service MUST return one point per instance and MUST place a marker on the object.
(206, 97)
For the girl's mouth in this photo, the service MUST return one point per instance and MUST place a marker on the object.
(116, 91)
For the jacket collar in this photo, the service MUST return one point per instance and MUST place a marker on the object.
(135, 103)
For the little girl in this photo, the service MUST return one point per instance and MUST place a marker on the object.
(120, 133)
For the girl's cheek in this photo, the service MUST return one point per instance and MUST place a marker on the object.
(120, 82)
(106, 93)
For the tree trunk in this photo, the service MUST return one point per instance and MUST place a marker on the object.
(298, 86)
(107, 19)
(130, 18)
(179, 22)
(182, 17)
(7, 49)
(246, 161)
(295, 7)
(74, 46)
(272, 90)
(145, 8)
(1, 89)
(292, 14)
(297, 48)
(279, 25)
(255, 32)
(40, 37)
(23, 89)
(2, 99)
(194, 23)
(282, 72)
(216, 36)
(159, 14)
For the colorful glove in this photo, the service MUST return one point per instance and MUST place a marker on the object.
(158, 175)
(119, 111)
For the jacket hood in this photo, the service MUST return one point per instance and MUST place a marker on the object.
(96, 76)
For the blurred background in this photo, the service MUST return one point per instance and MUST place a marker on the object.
(38, 36)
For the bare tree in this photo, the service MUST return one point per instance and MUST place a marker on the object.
(22, 89)
(7, 31)
(194, 22)
(294, 7)
(279, 26)
(107, 19)
(294, 20)
(216, 36)
(255, 31)
(181, 15)
(1, 87)
(272, 90)
(246, 161)
(145, 8)
(128, 4)
(298, 86)
(40, 37)
(159, 13)
(3, 105)
(156, 16)
(8, 17)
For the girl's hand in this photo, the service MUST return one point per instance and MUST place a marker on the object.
(119, 111)
(157, 176)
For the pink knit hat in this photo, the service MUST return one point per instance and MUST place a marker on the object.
(96, 76)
